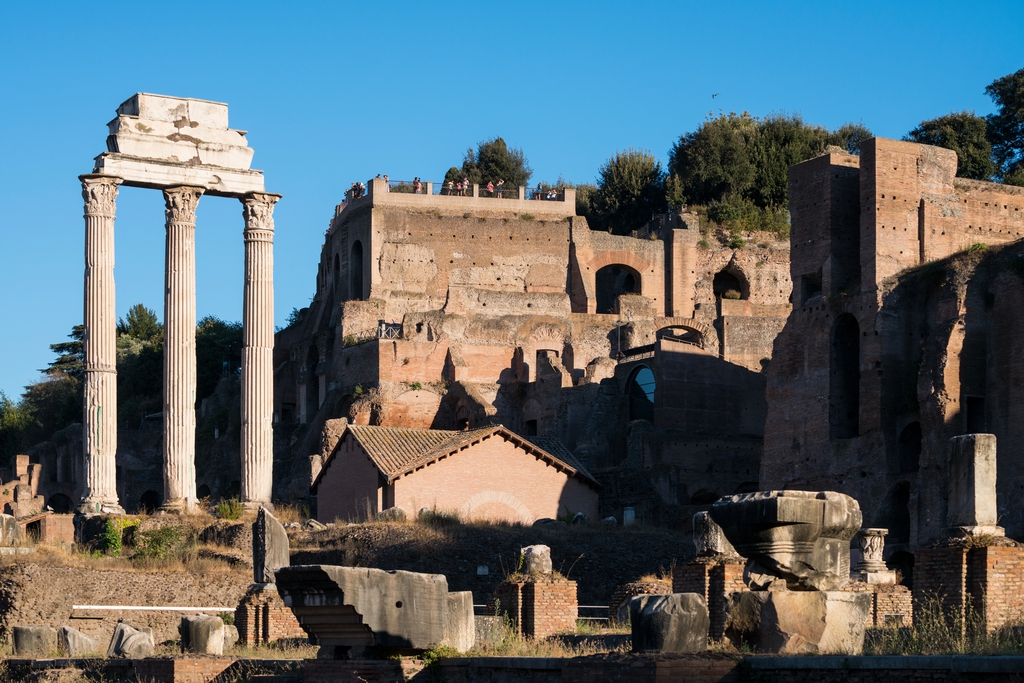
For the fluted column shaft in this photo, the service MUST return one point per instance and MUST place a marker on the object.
(99, 405)
(180, 348)
(258, 350)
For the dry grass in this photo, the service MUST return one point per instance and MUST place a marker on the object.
(55, 556)
(277, 650)
(287, 514)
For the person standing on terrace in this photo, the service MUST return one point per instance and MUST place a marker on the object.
(499, 186)
(490, 188)
(417, 186)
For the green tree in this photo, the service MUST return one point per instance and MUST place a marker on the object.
(141, 323)
(1006, 126)
(712, 161)
(780, 141)
(494, 160)
(964, 133)
(630, 190)
(70, 355)
(15, 423)
(218, 350)
(849, 136)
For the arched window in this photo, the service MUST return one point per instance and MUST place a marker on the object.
(355, 271)
(611, 282)
(844, 379)
(727, 285)
(908, 448)
(640, 390)
(60, 503)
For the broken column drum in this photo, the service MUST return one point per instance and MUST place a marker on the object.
(802, 537)
(146, 148)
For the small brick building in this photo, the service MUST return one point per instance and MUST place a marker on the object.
(490, 474)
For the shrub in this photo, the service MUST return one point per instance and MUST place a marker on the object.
(467, 215)
(228, 618)
(416, 386)
(161, 544)
(110, 539)
(977, 248)
(527, 217)
(229, 509)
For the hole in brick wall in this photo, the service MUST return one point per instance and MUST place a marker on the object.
(398, 604)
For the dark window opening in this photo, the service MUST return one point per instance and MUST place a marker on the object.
(894, 514)
(909, 448)
(810, 287)
(531, 428)
(640, 390)
(355, 271)
(150, 501)
(974, 415)
(844, 385)
(612, 282)
(704, 497)
(203, 492)
(337, 274)
(312, 384)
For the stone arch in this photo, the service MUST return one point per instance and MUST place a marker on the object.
(502, 498)
(729, 283)
(613, 280)
(682, 333)
(415, 409)
(355, 271)
(60, 503)
(844, 379)
(640, 390)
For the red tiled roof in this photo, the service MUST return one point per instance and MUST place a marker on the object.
(399, 450)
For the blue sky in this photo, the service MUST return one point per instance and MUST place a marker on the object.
(336, 92)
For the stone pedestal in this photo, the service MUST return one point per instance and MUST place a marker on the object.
(972, 486)
(180, 348)
(99, 417)
(871, 569)
(258, 351)
(262, 617)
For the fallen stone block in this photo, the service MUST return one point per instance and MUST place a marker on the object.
(269, 547)
(798, 622)
(230, 636)
(10, 531)
(669, 623)
(537, 559)
(352, 610)
(34, 641)
(130, 642)
(459, 625)
(74, 643)
(202, 634)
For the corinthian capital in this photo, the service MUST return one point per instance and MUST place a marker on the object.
(99, 193)
(181, 203)
(258, 211)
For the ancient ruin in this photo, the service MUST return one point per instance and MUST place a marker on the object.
(184, 148)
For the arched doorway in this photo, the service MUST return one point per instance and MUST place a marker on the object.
(355, 271)
(613, 281)
(844, 379)
(640, 389)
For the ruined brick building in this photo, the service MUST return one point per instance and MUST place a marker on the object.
(906, 330)
(643, 355)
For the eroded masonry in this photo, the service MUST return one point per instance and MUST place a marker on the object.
(640, 354)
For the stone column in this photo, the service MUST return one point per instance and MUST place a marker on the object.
(258, 350)
(99, 406)
(180, 348)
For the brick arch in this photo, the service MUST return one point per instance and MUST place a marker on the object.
(502, 498)
(625, 259)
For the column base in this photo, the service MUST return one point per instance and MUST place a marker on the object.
(102, 507)
(178, 506)
(255, 505)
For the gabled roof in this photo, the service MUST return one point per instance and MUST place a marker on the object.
(397, 451)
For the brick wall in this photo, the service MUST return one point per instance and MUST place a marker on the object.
(715, 580)
(181, 670)
(360, 671)
(995, 579)
(890, 605)
(262, 617)
(539, 608)
(941, 573)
